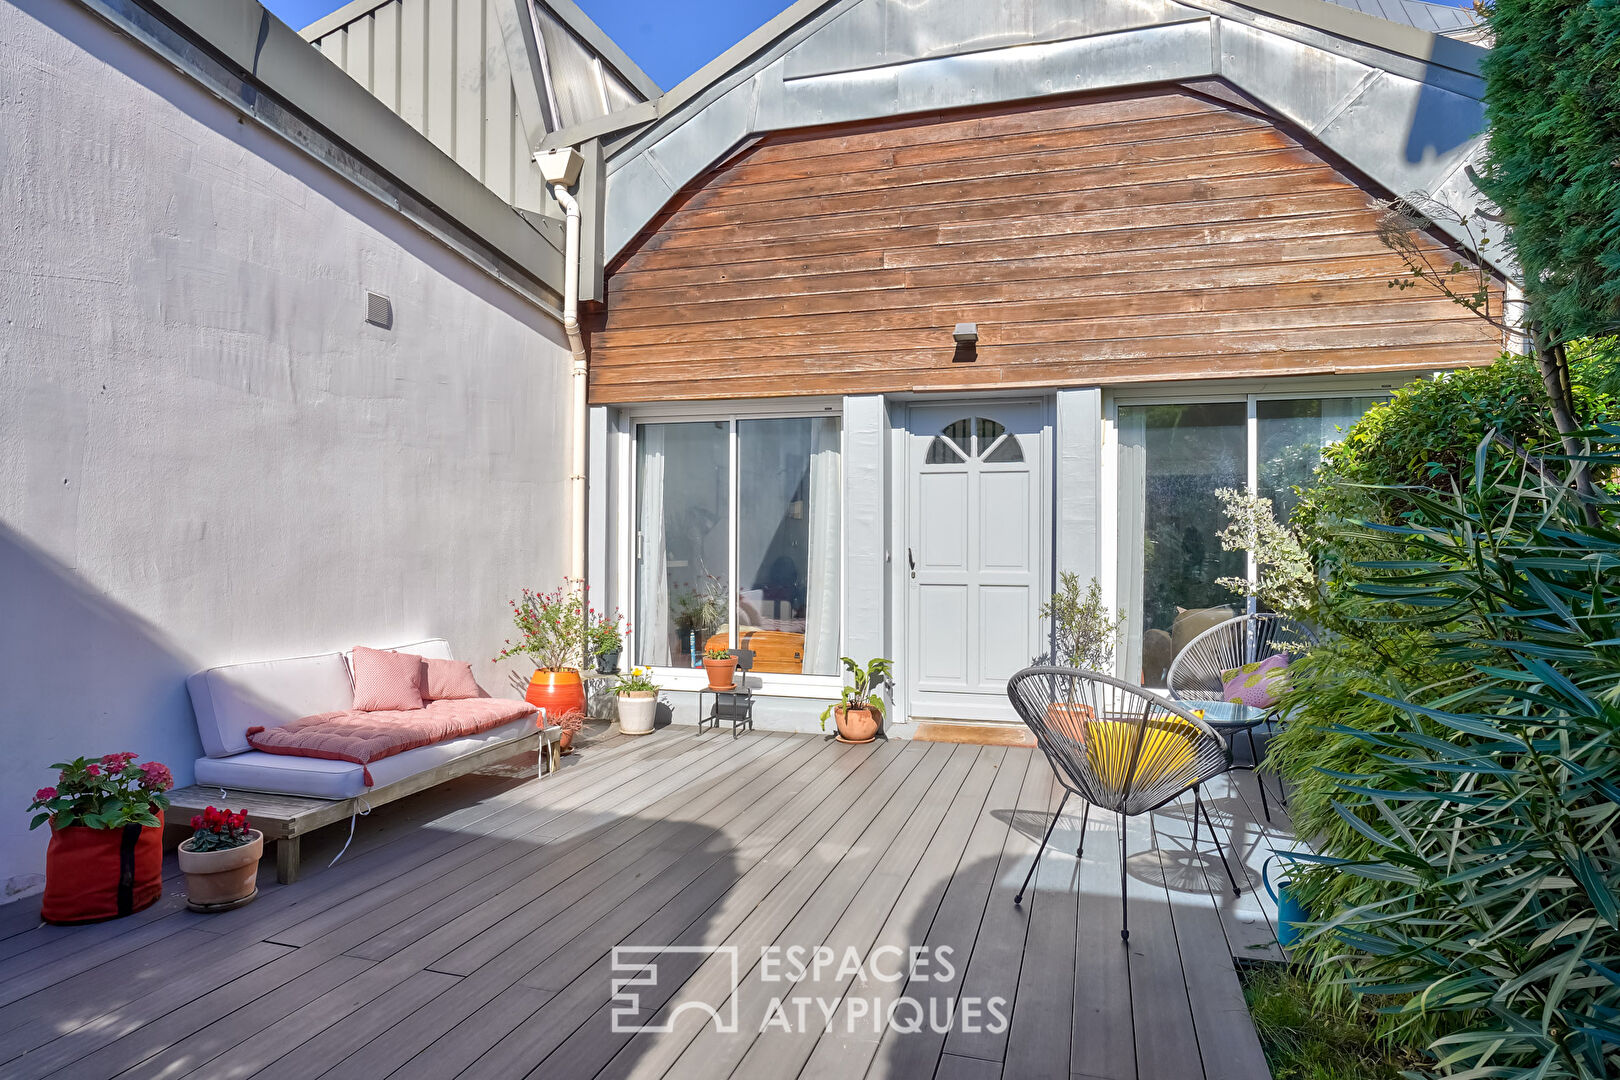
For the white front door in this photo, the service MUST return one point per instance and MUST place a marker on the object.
(976, 555)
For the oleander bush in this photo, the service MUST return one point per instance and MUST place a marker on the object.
(1455, 753)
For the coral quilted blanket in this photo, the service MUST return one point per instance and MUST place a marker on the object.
(363, 737)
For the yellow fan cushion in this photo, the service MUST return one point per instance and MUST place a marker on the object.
(1167, 751)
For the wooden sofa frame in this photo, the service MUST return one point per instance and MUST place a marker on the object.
(286, 818)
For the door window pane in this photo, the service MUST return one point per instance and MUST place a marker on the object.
(788, 537)
(1290, 439)
(682, 591)
(1172, 460)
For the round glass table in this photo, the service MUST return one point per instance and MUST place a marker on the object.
(1229, 718)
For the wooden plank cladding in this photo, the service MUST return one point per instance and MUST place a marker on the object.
(1157, 236)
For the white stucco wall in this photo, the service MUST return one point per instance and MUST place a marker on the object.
(205, 455)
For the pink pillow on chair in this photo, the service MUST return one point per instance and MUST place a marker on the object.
(450, 679)
(386, 680)
(1258, 684)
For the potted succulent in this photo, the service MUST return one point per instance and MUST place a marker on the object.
(605, 640)
(721, 668)
(859, 708)
(105, 858)
(551, 633)
(638, 702)
(221, 860)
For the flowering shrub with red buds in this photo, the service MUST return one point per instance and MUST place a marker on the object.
(219, 830)
(551, 629)
(106, 793)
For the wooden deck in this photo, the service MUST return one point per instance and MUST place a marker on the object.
(469, 931)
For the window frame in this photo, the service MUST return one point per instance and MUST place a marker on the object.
(778, 684)
(1246, 392)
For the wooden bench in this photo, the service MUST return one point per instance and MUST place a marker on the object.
(286, 818)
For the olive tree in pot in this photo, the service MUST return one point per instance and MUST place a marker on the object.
(858, 711)
(221, 860)
(638, 702)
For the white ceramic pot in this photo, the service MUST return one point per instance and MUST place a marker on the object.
(636, 711)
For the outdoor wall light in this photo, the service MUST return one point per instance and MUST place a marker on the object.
(966, 335)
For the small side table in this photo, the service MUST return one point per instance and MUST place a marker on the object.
(1230, 718)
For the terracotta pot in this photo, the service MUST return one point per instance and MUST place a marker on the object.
(637, 709)
(856, 725)
(221, 877)
(560, 693)
(96, 874)
(565, 745)
(722, 673)
(1070, 719)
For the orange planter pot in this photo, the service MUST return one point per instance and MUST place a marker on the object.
(856, 725)
(96, 874)
(561, 694)
(722, 673)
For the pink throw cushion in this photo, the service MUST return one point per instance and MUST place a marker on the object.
(449, 680)
(1258, 684)
(386, 680)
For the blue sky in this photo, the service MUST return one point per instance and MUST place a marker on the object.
(670, 39)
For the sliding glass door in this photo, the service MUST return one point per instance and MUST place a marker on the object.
(1173, 458)
(738, 542)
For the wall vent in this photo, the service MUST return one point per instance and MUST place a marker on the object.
(379, 311)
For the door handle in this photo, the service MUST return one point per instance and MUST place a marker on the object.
(911, 561)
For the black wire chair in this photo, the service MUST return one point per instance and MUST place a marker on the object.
(1197, 672)
(1119, 747)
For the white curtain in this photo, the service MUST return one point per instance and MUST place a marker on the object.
(822, 599)
(652, 597)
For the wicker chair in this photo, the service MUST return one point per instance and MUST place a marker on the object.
(1195, 673)
(1119, 747)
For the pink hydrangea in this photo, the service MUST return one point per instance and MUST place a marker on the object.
(157, 775)
(118, 762)
(45, 794)
(92, 770)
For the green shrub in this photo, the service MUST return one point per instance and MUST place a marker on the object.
(1477, 894)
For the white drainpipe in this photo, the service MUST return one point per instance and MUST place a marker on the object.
(560, 169)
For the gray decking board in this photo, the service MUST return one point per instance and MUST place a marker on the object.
(845, 1051)
(957, 922)
(462, 896)
(1102, 1043)
(469, 931)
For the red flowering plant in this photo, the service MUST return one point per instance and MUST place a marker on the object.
(551, 629)
(219, 830)
(106, 793)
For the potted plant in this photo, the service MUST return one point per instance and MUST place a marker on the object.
(221, 860)
(1084, 635)
(859, 709)
(551, 633)
(638, 702)
(605, 640)
(105, 858)
(721, 668)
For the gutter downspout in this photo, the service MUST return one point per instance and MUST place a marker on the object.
(578, 376)
(560, 168)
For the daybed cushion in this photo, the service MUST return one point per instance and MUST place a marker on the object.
(229, 700)
(325, 779)
(386, 681)
(364, 737)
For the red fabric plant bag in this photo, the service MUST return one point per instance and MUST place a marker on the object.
(96, 874)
